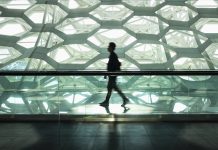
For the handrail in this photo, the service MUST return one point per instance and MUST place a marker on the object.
(99, 73)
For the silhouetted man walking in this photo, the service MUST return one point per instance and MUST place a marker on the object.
(113, 65)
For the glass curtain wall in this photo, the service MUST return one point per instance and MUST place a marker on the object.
(72, 35)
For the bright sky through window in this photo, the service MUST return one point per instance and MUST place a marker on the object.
(11, 29)
(29, 41)
(15, 100)
(179, 107)
(37, 17)
(17, 4)
(210, 28)
(206, 4)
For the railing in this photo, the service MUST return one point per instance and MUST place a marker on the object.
(91, 72)
(77, 94)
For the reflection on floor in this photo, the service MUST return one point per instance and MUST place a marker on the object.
(108, 136)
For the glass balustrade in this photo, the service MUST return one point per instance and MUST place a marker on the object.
(81, 95)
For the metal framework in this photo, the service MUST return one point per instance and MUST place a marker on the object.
(72, 35)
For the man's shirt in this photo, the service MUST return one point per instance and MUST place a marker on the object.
(113, 62)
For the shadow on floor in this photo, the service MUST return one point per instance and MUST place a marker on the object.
(108, 136)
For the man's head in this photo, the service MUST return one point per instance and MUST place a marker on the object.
(111, 46)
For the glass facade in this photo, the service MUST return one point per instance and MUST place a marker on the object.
(81, 95)
(72, 35)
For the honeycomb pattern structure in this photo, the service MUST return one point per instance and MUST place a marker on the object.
(172, 35)
(74, 34)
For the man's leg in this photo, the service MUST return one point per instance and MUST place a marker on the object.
(106, 101)
(125, 99)
(109, 92)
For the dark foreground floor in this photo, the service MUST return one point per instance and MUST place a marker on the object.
(111, 136)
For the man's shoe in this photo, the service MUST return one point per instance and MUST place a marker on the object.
(125, 109)
(104, 104)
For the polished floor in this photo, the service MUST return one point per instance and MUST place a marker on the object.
(108, 136)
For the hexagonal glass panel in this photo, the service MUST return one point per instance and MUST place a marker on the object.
(28, 64)
(101, 64)
(73, 54)
(43, 14)
(7, 54)
(203, 3)
(23, 78)
(144, 24)
(155, 82)
(48, 39)
(111, 12)
(13, 26)
(143, 3)
(78, 4)
(77, 25)
(212, 52)
(80, 82)
(77, 98)
(146, 97)
(15, 99)
(43, 39)
(104, 36)
(29, 41)
(207, 25)
(147, 53)
(195, 78)
(17, 4)
(179, 13)
(183, 38)
(191, 64)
